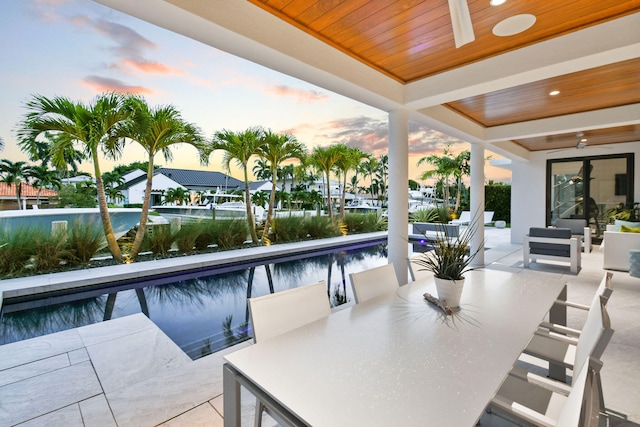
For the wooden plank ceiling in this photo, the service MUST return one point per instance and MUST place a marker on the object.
(409, 40)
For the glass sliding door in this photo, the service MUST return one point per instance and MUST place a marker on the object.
(567, 190)
(588, 187)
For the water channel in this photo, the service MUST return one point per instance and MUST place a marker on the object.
(200, 311)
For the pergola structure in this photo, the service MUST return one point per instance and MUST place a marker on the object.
(484, 76)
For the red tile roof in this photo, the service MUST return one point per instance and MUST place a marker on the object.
(9, 190)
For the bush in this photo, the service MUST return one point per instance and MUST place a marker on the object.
(85, 241)
(497, 198)
(230, 233)
(16, 249)
(318, 227)
(50, 251)
(425, 215)
(188, 235)
(364, 222)
(159, 242)
(288, 229)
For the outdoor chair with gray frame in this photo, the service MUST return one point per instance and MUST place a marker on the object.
(578, 228)
(554, 244)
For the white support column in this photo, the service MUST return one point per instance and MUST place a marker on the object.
(398, 191)
(477, 200)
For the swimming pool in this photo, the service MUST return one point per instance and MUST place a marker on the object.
(201, 311)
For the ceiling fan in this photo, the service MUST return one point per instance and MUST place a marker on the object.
(461, 22)
(582, 143)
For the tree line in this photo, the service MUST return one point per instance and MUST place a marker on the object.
(61, 133)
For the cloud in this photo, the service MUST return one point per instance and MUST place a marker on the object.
(104, 84)
(371, 135)
(302, 96)
(150, 67)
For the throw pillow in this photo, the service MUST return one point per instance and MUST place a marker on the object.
(626, 229)
(619, 223)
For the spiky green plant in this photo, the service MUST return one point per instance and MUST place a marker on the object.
(364, 222)
(85, 241)
(186, 238)
(318, 227)
(159, 242)
(16, 249)
(425, 215)
(50, 251)
(450, 257)
(288, 229)
(230, 233)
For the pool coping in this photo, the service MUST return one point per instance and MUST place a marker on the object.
(93, 277)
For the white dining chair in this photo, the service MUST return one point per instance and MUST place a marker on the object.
(570, 351)
(553, 403)
(280, 312)
(604, 290)
(374, 281)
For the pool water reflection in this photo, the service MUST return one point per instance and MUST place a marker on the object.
(202, 313)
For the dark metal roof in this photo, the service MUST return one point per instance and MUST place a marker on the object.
(201, 180)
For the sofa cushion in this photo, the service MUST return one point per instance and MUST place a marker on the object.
(562, 250)
(619, 223)
(626, 229)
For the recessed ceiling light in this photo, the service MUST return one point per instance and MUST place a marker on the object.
(497, 2)
(514, 25)
(583, 140)
(554, 92)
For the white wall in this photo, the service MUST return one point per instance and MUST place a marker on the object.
(528, 186)
(135, 193)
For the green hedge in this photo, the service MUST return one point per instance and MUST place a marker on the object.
(497, 198)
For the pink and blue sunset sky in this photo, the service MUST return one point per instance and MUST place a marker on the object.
(78, 49)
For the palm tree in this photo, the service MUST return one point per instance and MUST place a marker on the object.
(368, 168)
(156, 130)
(324, 159)
(14, 173)
(179, 195)
(445, 166)
(382, 174)
(40, 150)
(43, 177)
(111, 181)
(350, 158)
(95, 127)
(261, 169)
(276, 148)
(462, 164)
(240, 147)
(260, 198)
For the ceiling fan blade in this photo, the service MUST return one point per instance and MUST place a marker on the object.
(461, 22)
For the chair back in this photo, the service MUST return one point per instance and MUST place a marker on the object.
(375, 281)
(280, 312)
(595, 334)
(576, 225)
(606, 288)
(581, 407)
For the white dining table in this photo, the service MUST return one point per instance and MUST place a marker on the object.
(396, 360)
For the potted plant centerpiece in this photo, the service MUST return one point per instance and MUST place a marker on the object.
(449, 259)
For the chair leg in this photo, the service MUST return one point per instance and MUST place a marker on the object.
(258, 414)
(411, 275)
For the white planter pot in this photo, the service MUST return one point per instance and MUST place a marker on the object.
(449, 290)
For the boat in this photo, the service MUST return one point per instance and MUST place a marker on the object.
(122, 219)
(361, 206)
(225, 210)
